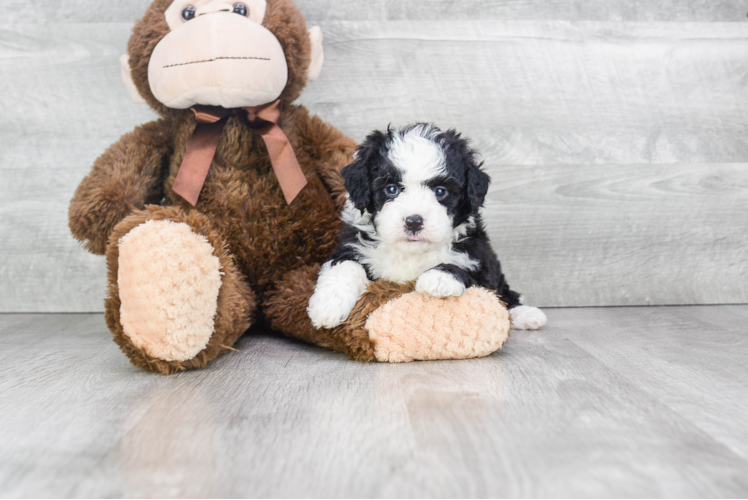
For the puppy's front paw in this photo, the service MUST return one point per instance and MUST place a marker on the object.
(328, 310)
(527, 318)
(437, 283)
(338, 289)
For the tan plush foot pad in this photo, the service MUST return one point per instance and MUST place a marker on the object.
(169, 281)
(416, 327)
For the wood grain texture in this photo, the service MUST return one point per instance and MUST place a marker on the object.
(77, 11)
(547, 93)
(572, 10)
(625, 402)
(619, 151)
(64, 106)
(656, 362)
(622, 234)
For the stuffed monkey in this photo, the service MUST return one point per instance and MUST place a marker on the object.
(218, 215)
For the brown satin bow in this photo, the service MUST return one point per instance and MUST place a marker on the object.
(202, 148)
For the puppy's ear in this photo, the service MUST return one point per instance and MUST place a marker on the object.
(477, 183)
(358, 175)
(458, 150)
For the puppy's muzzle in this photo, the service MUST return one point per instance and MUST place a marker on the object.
(414, 224)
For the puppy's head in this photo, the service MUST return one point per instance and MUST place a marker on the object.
(418, 185)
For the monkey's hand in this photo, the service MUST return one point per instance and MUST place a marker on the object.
(125, 178)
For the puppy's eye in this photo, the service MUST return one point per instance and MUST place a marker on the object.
(440, 193)
(241, 9)
(188, 13)
(392, 190)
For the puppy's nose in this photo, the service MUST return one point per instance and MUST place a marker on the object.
(414, 223)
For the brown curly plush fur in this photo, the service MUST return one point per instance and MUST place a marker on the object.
(261, 241)
(125, 178)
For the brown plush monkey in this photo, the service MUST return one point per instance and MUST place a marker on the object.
(185, 282)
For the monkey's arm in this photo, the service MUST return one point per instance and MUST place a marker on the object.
(125, 178)
(329, 148)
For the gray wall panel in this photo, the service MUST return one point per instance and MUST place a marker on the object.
(619, 151)
(547, 92)
(77, 11)
(592, 235)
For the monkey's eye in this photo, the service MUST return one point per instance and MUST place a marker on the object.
(392, 190)
(241, 9)
(440, 193)
(188, 13)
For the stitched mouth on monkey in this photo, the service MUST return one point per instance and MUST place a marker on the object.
(227, 58)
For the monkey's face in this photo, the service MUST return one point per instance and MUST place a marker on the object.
(218, 53)
(221, 53)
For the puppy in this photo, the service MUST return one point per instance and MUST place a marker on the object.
(413, 214)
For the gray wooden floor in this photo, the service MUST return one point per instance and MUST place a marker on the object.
(605, 402)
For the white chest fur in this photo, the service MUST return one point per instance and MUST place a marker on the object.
(404, 261)
(401, 265)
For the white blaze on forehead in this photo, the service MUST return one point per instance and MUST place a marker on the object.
(417, 156)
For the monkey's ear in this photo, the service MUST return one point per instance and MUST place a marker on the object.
(124, 62)
(318, 53)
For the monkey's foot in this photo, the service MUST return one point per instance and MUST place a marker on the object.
(394, 323)
(418, 327)
(176, 303)
(168, 283)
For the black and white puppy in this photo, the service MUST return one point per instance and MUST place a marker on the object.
(413, 214)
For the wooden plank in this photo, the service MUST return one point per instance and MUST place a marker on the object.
(618, 151)
(70, 105)
(572, 10)
(72, 11)
(678, 356)
(77, 11)
(547, 92)
(604, 403)
(566, 235)
(571, 235)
